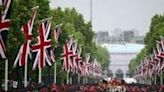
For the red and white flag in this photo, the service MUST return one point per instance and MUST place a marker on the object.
(159, 49)
(74, 57)
(146, 66)
(42, 45)
(66, 56)
(151, 65)
(86, 65)
(159, 55)
(4, 26)
(161, 69)
(24, 50)
(156, 60)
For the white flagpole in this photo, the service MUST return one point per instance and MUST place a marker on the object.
(67, 77)
(6, 75)
(40, 75)
(86, 80)
(25, 75)
(78, 78)
(161, 79)
(83, 80)
(55, 73)
(155, 80)
(70, 80)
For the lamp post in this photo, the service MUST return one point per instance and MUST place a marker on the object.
(91, 10)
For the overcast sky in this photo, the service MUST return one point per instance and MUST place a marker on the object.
(111, 14)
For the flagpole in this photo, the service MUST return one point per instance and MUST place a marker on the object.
(55, 73)
(6, 75)
(161, 79)
(25, 75)
(83, 80)
(67, 77)
(40, 75)
(78, 78)
(70, 78)
(155, 80)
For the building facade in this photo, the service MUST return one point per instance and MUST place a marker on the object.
(120, 57)
(119, 37)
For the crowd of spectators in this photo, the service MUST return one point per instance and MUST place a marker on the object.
(103, 86)
(121, 86)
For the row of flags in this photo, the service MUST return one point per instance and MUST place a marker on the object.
(75, 63)
(42, 52)
(152, 64)
(42, 49)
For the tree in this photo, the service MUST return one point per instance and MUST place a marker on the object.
(156, 30)
(73, 23)
(102, 56)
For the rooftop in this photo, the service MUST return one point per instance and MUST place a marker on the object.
(124, 48)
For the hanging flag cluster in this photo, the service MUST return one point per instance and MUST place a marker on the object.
(4, 26)
(42, 52)
(66, 55)
(153, 64)
(85, 66)
(95, 69)
(73, 61)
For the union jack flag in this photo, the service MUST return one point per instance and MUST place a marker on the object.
(86, 65)
(66, 55)
(74, 57)
(4, 26)
(43, 44)
(159, 49)
(146, 66)
(151, 65)
(162, 55)
(159, 55)
(24, 51)
(156, 60)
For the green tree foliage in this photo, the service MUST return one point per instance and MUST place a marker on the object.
(102, 56)
(73, 24)
(156, 30)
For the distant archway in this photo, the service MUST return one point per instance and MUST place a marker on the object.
(110, 73)
(119, 73)
(128, 74)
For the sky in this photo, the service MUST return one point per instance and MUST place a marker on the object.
(113, 14)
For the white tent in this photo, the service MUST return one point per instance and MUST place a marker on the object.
(130, 80)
